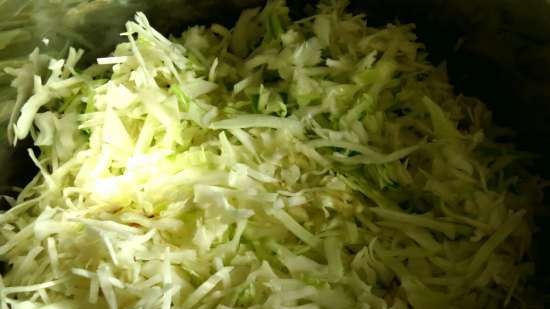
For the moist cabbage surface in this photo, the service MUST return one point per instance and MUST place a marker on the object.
(309, 164)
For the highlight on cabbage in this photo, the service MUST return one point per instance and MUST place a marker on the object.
(308, 164)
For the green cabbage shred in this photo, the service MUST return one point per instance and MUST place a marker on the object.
(310, 164)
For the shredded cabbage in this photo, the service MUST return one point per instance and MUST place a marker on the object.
(310, 164)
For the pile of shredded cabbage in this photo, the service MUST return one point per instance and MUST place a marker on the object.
(310, 164)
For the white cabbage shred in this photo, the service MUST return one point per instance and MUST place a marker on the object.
(311, 164)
